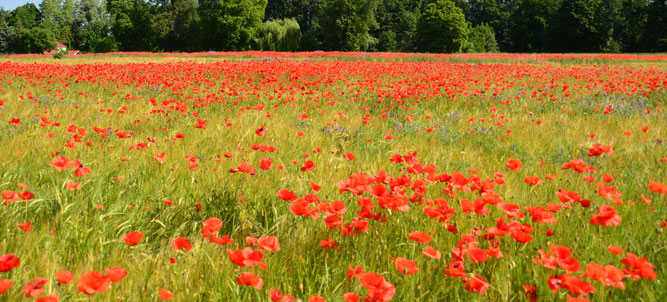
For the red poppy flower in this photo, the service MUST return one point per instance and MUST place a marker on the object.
(165, 294)
(286, 195)
(615, 250)
(514, 164)
(351, 297)
(405, 266)
(5, 285)
(61, 163)
(51, 298)
(657, 187)
(379, 289)
(265, 164)
(431, 252)
(93, 282)
(246, 257)
(115, 274)
(35, 289)
(26, 227)
(132, 238)
(533, 180)
(267, 243)
(260, 131)
(211, 227)
(10, 196)
(421, 237)
(531, 292)
(181, 243)
(8, 262)
(607, 216)
(476, 284)
(64, 277)
(249, 279)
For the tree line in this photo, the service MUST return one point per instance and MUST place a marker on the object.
(342, 25)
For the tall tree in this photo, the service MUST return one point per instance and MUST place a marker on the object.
(36, 40)
(632, 30)
(92, 27)
(187, 32)
(481, 39)
(346, 24)
(131, 24)
(8, 34)
(230, 24)
(530, 21)
(656, 27)
(306, 12)
(279, 35)
(58, 17)
(25, 17)
(578, 27)
(397, 24)
(442, 27)
(175, 25)
(485, 11)
(50, 10)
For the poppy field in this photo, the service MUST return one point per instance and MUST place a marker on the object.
(337, 177)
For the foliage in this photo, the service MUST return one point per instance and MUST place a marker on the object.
(104, 44)
(93, 26)
(529, 25)
(397, 23)
(59, 55)
(579, 26)
(482, 38)
(441, 28)
(9, 36)
(37, 40)
(363, 25)
(655, 36)
(279, 35)
(230, 24)
(346, 24)
(25, 17)
(131, 23)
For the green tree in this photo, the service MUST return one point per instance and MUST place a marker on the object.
(230, 24)
(306, 12)
(175, 25)
(633, 17)
(37, 40)
(8, 34)
(25, 17)
(482, 39)
(397, 24)
(187, 32)
(530, 19)
(50, 10)
(441, 28)
(91, 27)
(485, 11)
(58, 17)
(579, 26)
(346, 24)
(131, 24)
(279, 35)
(655, 36)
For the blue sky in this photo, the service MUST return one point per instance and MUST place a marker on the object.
(12, 4)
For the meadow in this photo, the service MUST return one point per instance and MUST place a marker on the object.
(345, 176)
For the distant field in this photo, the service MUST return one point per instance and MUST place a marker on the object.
(264, 176)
